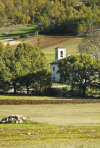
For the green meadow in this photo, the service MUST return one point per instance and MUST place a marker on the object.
(17, 30)
(71, 45)
(56, 125)
(21, 97)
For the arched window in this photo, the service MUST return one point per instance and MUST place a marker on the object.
(61, 54)
(56, 54)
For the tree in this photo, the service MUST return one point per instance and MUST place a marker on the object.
(35, 68)
(13, 66)
(4, 70)
(91, 44)
(78, 70)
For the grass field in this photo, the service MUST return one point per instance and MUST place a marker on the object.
(17, 30)
(21, 97)
(47, 43)
(62, 114)
(70, 45)
(58, 126)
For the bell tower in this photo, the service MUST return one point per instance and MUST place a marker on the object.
(60, 53)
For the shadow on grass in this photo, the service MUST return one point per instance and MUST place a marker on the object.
(27, 30)
(55, 97)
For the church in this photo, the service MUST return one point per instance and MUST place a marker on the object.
(60, 55)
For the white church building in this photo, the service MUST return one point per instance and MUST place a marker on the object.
(60, 55)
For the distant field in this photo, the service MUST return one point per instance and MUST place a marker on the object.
(47, 43)
(26, 30)
(71, 46)
(17, 30)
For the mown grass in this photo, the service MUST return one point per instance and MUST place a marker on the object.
(71, 46)
(26, 30)
(26, 97)
(43, 134)
(58, 126)
(61, 114)
(10, 32)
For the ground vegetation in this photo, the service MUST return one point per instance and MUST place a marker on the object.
(56, 125)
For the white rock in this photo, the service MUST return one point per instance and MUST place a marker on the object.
(28, 133)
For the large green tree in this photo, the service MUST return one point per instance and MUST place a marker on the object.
(79, 71)
(34, 66)
(4, 70)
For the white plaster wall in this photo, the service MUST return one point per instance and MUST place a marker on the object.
(54, 73)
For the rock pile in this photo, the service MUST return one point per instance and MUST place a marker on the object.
(15, 119)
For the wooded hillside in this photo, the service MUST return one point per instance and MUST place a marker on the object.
(56, 16)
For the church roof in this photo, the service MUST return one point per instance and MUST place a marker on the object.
(58, 61)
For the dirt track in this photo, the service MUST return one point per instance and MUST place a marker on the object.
(22, 102)
(46, 41)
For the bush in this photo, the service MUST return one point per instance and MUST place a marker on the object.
(16, 38)
(24, 36)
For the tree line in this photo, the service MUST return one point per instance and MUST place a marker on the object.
(23, 67)
(56, 16)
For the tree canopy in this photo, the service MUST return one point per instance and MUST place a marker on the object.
(27, 67)
(79, 71)
(55, 16)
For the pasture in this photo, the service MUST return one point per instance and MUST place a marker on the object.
(25, 97)
(17, 30)
(57, 125)
(47, 43)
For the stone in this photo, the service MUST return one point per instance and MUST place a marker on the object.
(15, 119)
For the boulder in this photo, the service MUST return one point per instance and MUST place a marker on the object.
(15, 119)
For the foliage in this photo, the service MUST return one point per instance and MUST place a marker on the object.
(91, 43)
(24, 36)
(79, 71)
(26, 65)
(16, 38)
(60, 16)
(4, 70)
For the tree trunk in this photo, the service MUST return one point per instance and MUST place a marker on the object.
(84, 89)
(27, 90)
(14, 84)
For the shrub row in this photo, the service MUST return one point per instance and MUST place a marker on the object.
(22, 102)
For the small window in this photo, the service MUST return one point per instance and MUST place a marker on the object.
(53, 68)
(56, 54)
(61, 54)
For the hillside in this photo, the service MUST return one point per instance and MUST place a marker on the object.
(47, 41)
(58, 17)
